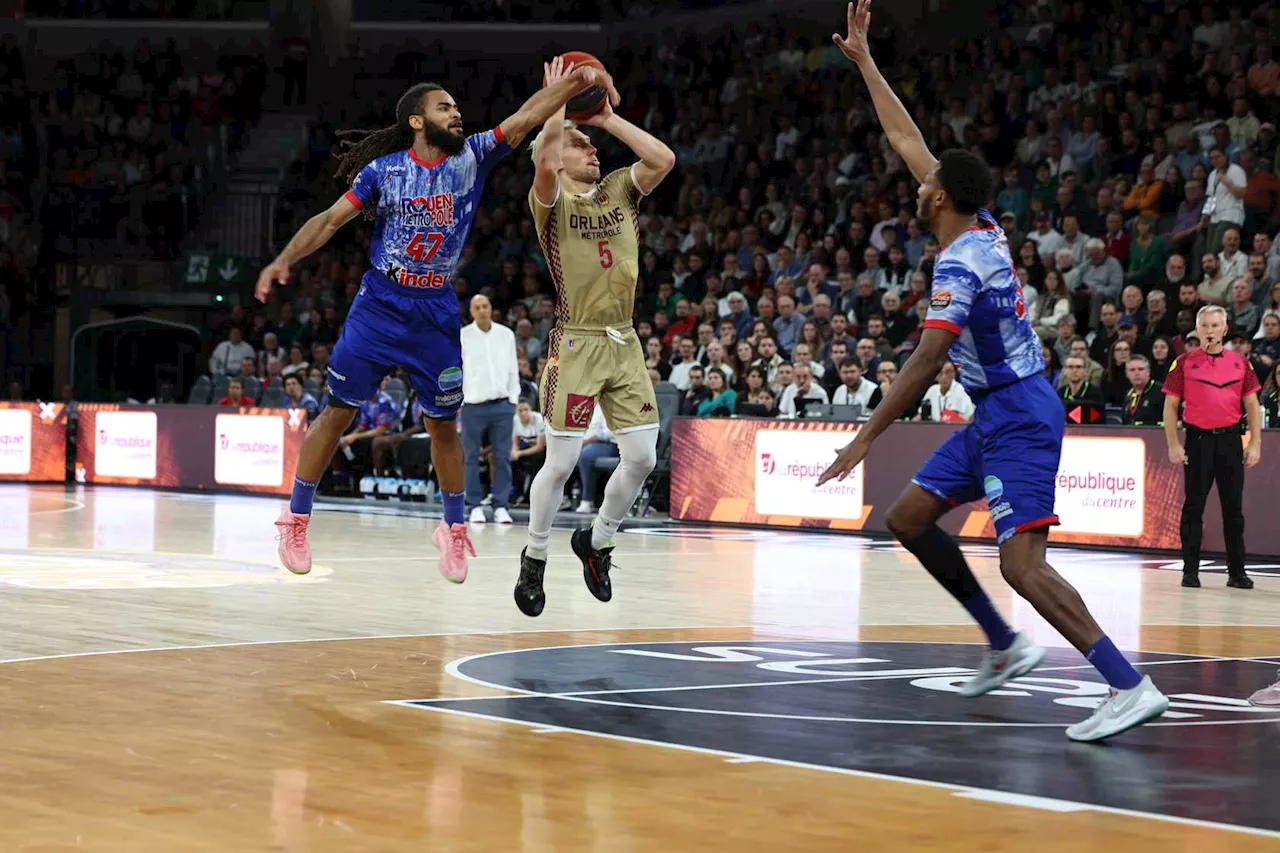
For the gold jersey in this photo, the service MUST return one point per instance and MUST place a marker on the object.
(592, 245)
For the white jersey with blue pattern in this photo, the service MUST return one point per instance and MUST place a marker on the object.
(425, 210)
(976, 294)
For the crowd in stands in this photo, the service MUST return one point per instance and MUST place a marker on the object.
(1133, 169)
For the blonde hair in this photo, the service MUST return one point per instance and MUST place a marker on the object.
(533, 146)
(1211, 309)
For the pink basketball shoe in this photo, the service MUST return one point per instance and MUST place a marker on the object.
(454, 543)
(294, 550)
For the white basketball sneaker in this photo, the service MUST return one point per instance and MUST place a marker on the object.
(1122, 710)
(999, 667)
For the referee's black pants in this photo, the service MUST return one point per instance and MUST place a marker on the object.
(1214, 456)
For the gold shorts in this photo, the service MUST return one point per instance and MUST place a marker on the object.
(590, 363)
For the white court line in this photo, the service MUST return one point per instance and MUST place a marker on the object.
(1026, 801)
(841, 679)
(494, 633)
(843, 771)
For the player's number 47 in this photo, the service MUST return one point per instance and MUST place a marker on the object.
(423, 247)
(606, 256)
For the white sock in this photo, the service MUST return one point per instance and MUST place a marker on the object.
(548, 488)
(638, 451)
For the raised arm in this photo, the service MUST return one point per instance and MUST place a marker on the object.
(903, 134)
(656, 159)
(546, 102)
(317, 231)
(546, 160)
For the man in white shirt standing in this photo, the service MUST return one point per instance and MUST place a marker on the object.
(490, 389)
(1224, 198)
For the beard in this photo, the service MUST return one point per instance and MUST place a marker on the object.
(444, 139)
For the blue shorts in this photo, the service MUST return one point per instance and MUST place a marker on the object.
(1009, 454)
(392, 326)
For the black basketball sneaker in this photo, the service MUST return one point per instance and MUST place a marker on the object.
(529, 595)
(596, 563)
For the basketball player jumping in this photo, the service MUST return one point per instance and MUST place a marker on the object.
(589, 231)
(420, 180)
(1010, 452)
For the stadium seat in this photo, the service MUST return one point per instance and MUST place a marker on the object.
(219, 389)
(396, 389)
(200, 391)
(273, 397)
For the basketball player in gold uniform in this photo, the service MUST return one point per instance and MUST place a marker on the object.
(589, 230)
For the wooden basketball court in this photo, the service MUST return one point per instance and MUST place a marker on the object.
(167, 687)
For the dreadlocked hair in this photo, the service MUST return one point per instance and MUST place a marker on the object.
(361, 147)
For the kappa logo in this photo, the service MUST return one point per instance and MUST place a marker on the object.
(940, 300)
(646, 408)
(580, 410)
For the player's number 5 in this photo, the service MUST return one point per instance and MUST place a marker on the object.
(423, 247)
(606, 256)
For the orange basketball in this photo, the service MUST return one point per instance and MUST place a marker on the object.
(590, 100)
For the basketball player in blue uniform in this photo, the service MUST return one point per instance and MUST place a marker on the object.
(1010, 452)
(420, 181)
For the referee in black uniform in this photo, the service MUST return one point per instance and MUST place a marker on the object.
(1213, 381)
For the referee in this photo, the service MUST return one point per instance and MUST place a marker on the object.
(1213, 381)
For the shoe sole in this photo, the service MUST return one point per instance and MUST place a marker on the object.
(1150, 714)
(537, 607)
(1026, 665)
(588, 576)
(289, 568)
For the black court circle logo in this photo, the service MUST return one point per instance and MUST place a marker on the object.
(882, 683)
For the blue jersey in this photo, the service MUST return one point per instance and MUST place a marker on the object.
(425, 210)
(306, 401)
(976, 294)
(382, 410)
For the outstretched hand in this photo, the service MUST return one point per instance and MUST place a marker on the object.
(854, 45)
(555, 71)
(273, 272)
(849, 457)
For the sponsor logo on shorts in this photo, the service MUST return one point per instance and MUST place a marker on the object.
(336, 374)
(940, 300)
(993, 487)
(646, 408)
(579, 411)
(450, 378)
(449, 399)
(569, 345)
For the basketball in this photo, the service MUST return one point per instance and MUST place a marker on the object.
(590, 100)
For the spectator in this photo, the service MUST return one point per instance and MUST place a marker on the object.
(1242, 315)
(235, 395)
(528, 449)
(947, 401)
(1216, 286)
(1146, 253)
(802, 389)
(1162, 356)
(297, 398)
(1075, 386)
(1115, 381)
(1053, 304)
(1144, 401)
(1224, 205)
(1232, 262)
(1100, 279)
(597, 443)
(853, 389)
(229, 355)
(688, 361)
(1158, 319)
(695, 392)
(721, 399)
(378, 416)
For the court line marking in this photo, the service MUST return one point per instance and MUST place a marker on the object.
(748, 758)
(75, 505)
(496, 633)
(453, 668)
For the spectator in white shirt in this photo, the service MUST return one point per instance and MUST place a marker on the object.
(803, 388)
(854, 390)
(1047, 240)
(228, 355)
(1232, 262)
(1224, 202)
(688, 359)
(528, 447)
(947, 396)
(490, 389)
